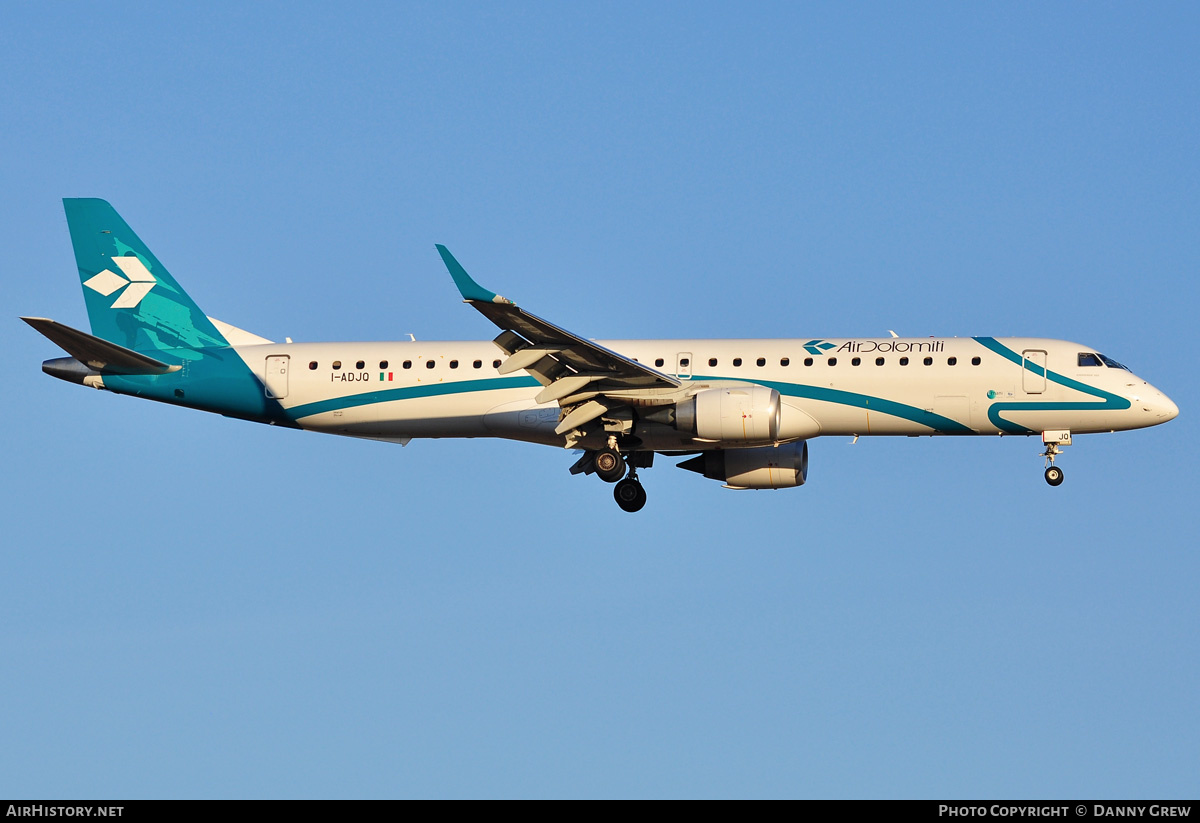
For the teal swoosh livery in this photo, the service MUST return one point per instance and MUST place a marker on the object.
(844, 398)
(1108, 402)
(410, 393)
(865, 401)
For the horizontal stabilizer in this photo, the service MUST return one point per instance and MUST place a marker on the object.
(101, 355)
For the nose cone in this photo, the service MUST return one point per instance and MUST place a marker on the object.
(1169, 410)
(1158, 405)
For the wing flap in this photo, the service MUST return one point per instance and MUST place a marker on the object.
(582, 415)
(565, 387)
(526, 357)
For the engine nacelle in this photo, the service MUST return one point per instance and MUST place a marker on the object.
(739, 414)
(771, 467)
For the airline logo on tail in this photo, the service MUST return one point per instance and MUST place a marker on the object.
(137, 283)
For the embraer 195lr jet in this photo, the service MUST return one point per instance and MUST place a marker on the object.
(742, 411)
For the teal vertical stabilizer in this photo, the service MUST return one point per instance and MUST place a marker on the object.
(132, 300)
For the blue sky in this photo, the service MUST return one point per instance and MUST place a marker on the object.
(199, 607)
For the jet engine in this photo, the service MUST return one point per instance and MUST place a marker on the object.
(740, 414)
(770, 467)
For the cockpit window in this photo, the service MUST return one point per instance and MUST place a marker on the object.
(1087, 359)
(1112, 364)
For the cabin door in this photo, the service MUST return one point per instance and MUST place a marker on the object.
(1033, 371)
(276, 380)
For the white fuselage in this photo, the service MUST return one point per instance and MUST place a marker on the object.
(862, 386)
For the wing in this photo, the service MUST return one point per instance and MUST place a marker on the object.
(585, 379)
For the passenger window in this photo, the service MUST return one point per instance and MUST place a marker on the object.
(361, 364)
(712, 361)
(975, 361)
(833, 361)
(313, 365)
(495, 364)
(685, 362)
(383, 364)
(407, 364)
(737, 361)
(429, 364)
(808, 361)
(762, 361)
(783, 361)
(658, 361)
(903, 361)
(478, 364)
(928, 361)
(857, 361)
(1088, 360)
(878, 361)
(951, 361)
(337, 364)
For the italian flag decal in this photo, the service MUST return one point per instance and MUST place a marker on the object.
(385, 376)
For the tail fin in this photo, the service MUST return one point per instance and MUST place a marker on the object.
(132, 300)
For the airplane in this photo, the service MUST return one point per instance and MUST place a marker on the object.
(740, 410)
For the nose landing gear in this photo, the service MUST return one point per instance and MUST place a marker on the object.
(1054, 439)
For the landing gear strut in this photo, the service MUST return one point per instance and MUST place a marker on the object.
(1054, 475)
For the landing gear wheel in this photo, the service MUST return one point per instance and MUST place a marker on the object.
(610, 466)
(630, 495)
(1054, 476)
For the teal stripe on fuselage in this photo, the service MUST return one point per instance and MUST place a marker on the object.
(936, 422)
(1111, 402)
(409, 393)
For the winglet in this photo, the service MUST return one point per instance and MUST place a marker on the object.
(469, 289)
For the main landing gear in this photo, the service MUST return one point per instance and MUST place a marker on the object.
(629, 493)
(1053, 440)
(611, 466)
